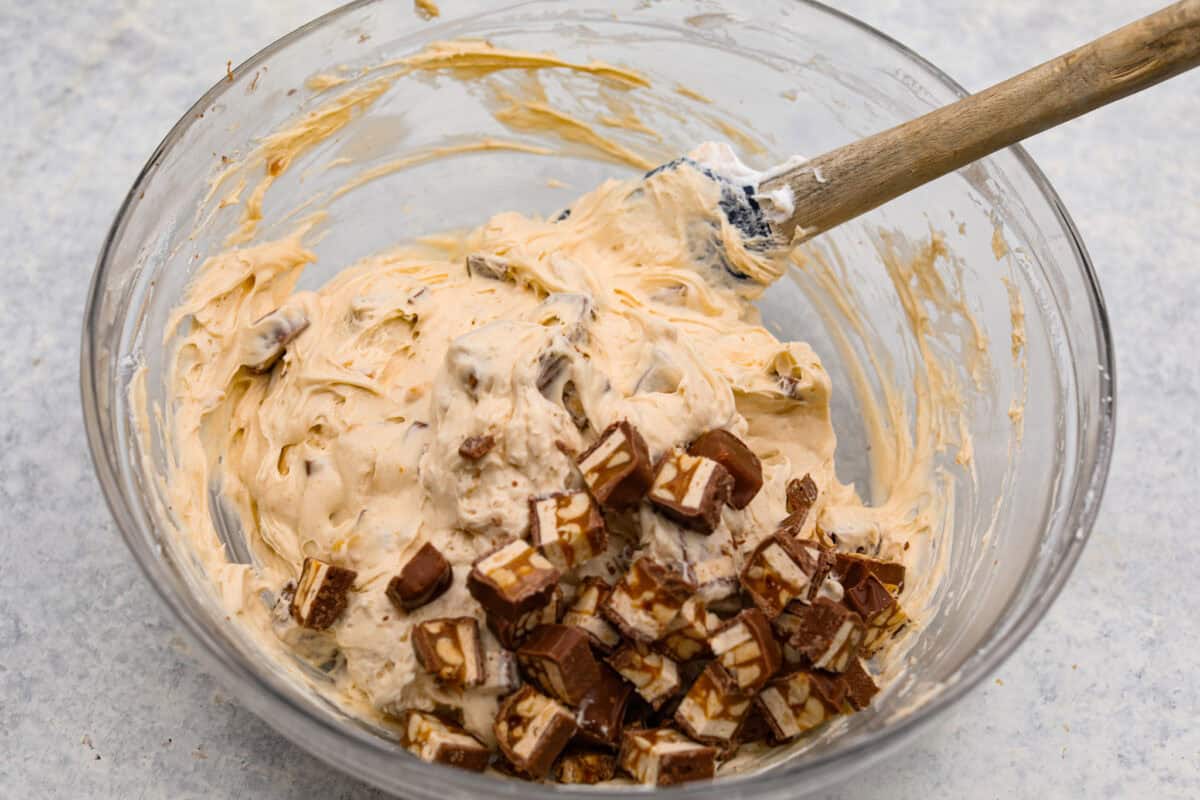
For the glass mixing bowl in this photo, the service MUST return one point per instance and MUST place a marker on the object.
(792, 77)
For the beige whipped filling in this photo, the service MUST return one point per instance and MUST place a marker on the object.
(348, 450)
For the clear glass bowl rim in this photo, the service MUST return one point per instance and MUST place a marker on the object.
(817, 771)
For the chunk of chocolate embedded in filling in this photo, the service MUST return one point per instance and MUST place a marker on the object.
(691, 490)
(687, 637)
(512, 581)
(617, 468)
(880, 612)
(601, 714)
(797, 702)
(560, 661)
(511, 633)
(714, 708)
(320, 596)
(665, 757)
(860, 686)
(585, 767)
(474, 448)
(531, 730)
(265, 341)
(745, 646)
(646, 600)
(826, 633)
(801, 497)
(716, 578)
(584, 614)
(653, 675)
(778, 572)
(738, 460)
(852, 568)
(483, 265)
(567, 528)
(422, 579)
(432, 739)
(450, 650)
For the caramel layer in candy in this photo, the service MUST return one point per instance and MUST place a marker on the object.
(585, 767)
(320, 596)
(432, 739)
(794, 703)
(567, 528)
(512, 633)
(617, 468)
(653, 675)
(512, 581)
(860, 686)
(879, 610)
(779, 571)
(691, 490)
(265, 341)
(558, 659)
(584, 614)
(737, 459)
(714, 707)
(531, 730)
(745, 646)
(687, 637)
(450, 650)
(646, 601)
(601, 713)
(421, 580)
(665, 757)
(826, 633)
(852, 569)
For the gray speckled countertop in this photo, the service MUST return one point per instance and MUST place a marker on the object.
(98, 695)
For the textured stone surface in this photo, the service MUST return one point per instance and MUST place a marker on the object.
(98, 695)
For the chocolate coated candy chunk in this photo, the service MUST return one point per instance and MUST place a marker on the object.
(746, 647)
(584, 614)
(512, 581)
(474, 448)
(487, 266)
(827, 633)
(558, 659)
(665, 757)
(714, 708)
(801, 494)
(646, 601)
(432, 739)
(653, 675)
(687, 637)
(860, 686)
(737, 459)
(531, 730)
(585, 767)
(779, 571)
(879, 610)
(422, 580)
(450, 650)
(852, 568)
(511, 633)
(617, 468)
(797, 702)
(691, 490)
(601, 713)
(268, 337)
(320, 596)
(568, 529)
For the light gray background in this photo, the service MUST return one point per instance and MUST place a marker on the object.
(98, 696)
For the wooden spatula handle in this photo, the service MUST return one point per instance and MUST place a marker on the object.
(854, 179)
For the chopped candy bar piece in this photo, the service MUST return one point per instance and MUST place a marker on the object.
(801, 494)
(450, 650)
(852, 568)
(512, 581)
(779, 571)
(746, 648)
(755, 727)
(267, 337)
(320, 596)
(690, 490)
(422, 580)
(714, 707)
(432, 739)
(601, 713)
(531, 730)
(716, 578)
(585, 767)
(617, 468)
(687, 636)
(737, 459)
(512, 632)
(646, 601)
(585, 615)
(558, 659)
(882, 614)
(665, 757)
(488, 266)
(567, 528)
(860, 686)
(474, 448)
(826, 633)
(500, 670)
(797, 702)
(655, 676)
